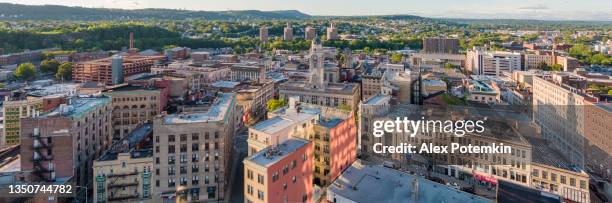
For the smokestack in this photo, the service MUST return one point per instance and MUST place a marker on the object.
(131, 40)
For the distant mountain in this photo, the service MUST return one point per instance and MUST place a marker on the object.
(54, 12)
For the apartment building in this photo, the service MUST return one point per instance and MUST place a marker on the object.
(288, 32)
(123, 173)
(310, 33)
(14, 111)
(63, 143)
(192, 151)
(255, 73)
(263, 34)
(280, 173)
(135, 105)
(332, 32)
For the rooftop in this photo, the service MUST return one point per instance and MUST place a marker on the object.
(271, 155)
(543, 154)
(377, 99)
(78, 106)
(225, 84)
(55, 89)
(375, 183)
(218, 111)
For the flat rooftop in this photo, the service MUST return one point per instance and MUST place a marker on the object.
(377, 99)
(344, 88)
(542, 153)
(78, 106)
(282, 120)
(376, 183)
(225, 84)
(218, 111)
(270, 155)
(55, 89)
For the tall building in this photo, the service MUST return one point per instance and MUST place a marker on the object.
(310, 33)
(332, 32)
(288, 32)
(135, 105)
(280, 173)
(63, 143)
(123, 172)
(440, 46)
(482, 62)
(263, 34)
(14, 111)
(192, 151)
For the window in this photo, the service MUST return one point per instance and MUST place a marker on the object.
(293, 164)
(274, 176)
(183, 138)
(260, 195)
(260, 179)
(535, 173)
(553, 177)
(562, 179)
(249, 189)
(171, 138)
(582, 184)
(195, 147)
(195, 136)
(573, 182)
(250, 174)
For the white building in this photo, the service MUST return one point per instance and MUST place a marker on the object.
(483, 62)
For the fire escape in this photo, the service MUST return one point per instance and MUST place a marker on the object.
(43, 169)
(118, 181)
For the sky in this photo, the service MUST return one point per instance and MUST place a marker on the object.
(492, 9)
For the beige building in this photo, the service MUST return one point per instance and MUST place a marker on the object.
(436, 60)
(254, 100)
(310, 33)
(288, 32)
(133, 106)
(124, 172)
(371, 84)
(192, 152)
(332, 32)
(263, 34)
(14, 111)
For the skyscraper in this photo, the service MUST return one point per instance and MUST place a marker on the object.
(310, 33)
(288, 32)
(263, 34)
(332, 32)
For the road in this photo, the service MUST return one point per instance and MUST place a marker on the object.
(237, 178)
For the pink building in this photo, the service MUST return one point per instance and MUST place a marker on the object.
(336, 147)
(280, 173)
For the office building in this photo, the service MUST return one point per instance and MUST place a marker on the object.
(247, 72)
(280, 173)
(440, 46)
(483, 62)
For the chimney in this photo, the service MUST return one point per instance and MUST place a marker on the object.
(131, 40)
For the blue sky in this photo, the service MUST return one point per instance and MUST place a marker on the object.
(517, 9)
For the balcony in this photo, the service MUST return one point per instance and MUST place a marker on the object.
(40, 144)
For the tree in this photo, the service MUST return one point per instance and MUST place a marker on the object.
(449, 66)
(344, 107)
(274, 104)
(556, 67)
(49, 66)
(25, 71)
(396, 58)
(64, 72)
(542, 66)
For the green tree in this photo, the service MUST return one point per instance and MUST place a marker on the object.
(556, 67)
(49, 66)
(274, 104)
(396, 58)
(344, 107)
(449, 66)
(542, 66)
(25, 71)
(64, 72)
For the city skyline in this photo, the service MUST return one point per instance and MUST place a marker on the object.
(591, 10)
